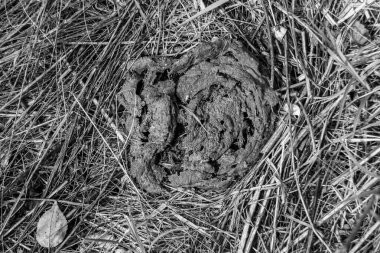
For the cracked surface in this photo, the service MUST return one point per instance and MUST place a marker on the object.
(197, 121)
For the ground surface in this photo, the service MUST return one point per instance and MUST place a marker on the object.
(73, 131)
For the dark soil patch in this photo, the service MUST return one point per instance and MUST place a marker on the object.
(198, 121)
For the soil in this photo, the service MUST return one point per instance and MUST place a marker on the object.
(198, 121)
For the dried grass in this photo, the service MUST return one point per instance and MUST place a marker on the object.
(315, 189)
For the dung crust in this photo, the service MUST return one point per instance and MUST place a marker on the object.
(198, 121)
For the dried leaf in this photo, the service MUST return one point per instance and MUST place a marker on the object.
(51, 228)
(279, 32)
(359, 33)
(292, 109)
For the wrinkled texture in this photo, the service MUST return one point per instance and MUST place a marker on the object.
(197, 121)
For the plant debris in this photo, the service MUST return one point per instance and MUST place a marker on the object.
(359, 33)
(51, 227)
(64, 135)
(198, 121)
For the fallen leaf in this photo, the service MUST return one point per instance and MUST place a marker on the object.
(51, 228)
(279, 32)
(292, 109)
(359, 33)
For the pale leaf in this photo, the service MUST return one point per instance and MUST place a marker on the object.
(51, 228)
(292, 109)
(279, 32)
(359, 33)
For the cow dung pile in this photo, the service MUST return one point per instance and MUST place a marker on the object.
(196, 121)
